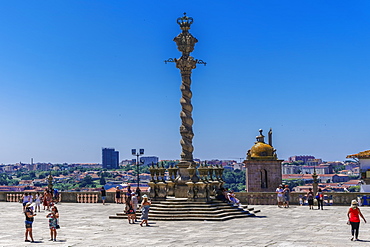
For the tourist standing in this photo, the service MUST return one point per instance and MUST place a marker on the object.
(47, 199)
(130, 213)
(134, 202)
(44, 200)
(37, 201)
(53, 223)
(286, 192)
(280, 198)
(320, 199)
(353, 215)
(28, 222)
(145, 205)
(128, 194)
(118, 195)
(25, 200)
(138, 193)
(56, 196)
(310, 198)
(103, 194)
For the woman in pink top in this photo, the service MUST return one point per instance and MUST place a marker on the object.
(354, 214)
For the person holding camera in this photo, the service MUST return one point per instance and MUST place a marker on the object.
(29, 221)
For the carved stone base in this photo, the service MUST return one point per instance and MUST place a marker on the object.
(201, 191)
(152, 193)
(170, 188)
(162, 190)
(183, 178)
(190, 193)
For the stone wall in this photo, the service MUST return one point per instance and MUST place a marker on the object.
(268, 198)
(262, 175)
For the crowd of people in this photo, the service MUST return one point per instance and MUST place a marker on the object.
(48, 199)
(131, 200)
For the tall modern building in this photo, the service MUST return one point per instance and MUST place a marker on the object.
(110, 158)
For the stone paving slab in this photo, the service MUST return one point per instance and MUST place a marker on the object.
(89, 225)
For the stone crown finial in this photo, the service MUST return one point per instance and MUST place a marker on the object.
(260, 138)
(185, 22)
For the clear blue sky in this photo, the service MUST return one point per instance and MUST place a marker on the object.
(76, 76)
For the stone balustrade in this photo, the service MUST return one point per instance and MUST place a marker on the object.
(251, 198)
(87, 198)
(14, 197)
(269, 198)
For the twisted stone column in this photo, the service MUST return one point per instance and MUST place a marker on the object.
(186, 64)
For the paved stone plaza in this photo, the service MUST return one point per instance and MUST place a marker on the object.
(89, 225)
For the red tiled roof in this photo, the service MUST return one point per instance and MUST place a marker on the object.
(363, 154)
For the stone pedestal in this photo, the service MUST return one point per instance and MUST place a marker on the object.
(184, 176)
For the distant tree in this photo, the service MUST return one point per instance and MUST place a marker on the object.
(127, 167)
(293, 182)
(13, 182)
(55, 173)
(26, 177)
(38, 184)
(353, 176)
(234, 179)
(144, 169)
(42, 176)
(354, 188)
(86, 181)
(32, 174)
(3, 179)
(102, 180)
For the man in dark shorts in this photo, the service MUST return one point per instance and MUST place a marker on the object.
(28, 222)
(103, 194)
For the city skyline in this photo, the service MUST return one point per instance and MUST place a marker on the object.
(77, 76)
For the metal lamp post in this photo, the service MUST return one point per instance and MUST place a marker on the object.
(137, 154)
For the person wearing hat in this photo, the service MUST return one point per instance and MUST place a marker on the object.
(145, 205)
(28, 222)
(354, 214)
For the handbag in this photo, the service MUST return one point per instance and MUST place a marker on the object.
(57, 227)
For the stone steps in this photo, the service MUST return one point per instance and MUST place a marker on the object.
(181, 209)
